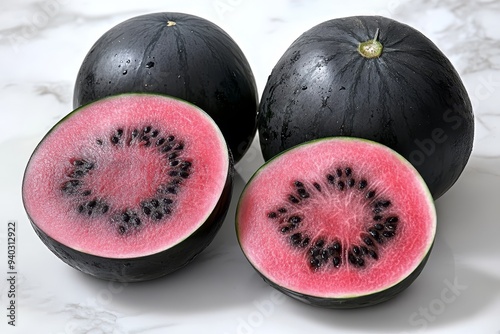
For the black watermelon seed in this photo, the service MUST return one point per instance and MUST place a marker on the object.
(374, 233)
(160, 141)
(104, 208)
(388, 234)
(173, 173)
(135, 132)
(170, 138)
(377, 218)
(364, 250)
(341, 185)
(337, 247)
(320, 243)
(70, 186)
(384, 204)
(80, 208)
(390, 226)
(185, 165)
(119, 132)
(167, 210)
(77, 173)
(356, 250)
(137, 221)
(351, 183)
(293, 199)
(330, 178)
(115, 140)
(296, 238)
(154, 133)
(92, 204)
(294, 219)
(303, 193)
(157, 215)
(370, 194)
(392, 220)
(272, 215)
(377, 210)
(154, 202)
(360, 262)
(99, 142)
(86, 193)
(325, 254)
(317, 186)
(352, 258)
(315, 263)
(281, 210)
(339, 172)
(373, 254)
(379, 227)
(298, 184)
(348, 171)
(285, 229)
(125, 217)
(78, 162)
(176, 181)
(145, 138)
(147, 129)
(314, 251)
(166, 148)
(336, 261)
(122, 229)
(174, 163)
(367, 240)
(172, 156)
(363, 184)
(179, 147)
(167, 201)
(184, 175)
(172, 190)
(146, 210)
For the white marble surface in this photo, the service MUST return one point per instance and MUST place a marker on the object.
(41, 46)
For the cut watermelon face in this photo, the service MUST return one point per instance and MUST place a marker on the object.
(130, 177)
(337, 222)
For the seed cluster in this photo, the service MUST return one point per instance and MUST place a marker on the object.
(156, 208)
(331, 251)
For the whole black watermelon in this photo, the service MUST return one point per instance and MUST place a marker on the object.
(175, 54)
(375, 78)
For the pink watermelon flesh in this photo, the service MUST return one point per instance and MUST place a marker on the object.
(121, 176)
(339, 211)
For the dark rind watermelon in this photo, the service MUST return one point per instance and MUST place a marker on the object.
(147, 267)
(180, 55)
(409, 98)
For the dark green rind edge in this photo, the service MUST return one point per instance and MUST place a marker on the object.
(338, 303)
(151, 266)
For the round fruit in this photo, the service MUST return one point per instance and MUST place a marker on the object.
(337, 222)
(180, 55)
(130, 187)
(375, 78)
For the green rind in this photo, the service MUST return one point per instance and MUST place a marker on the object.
(355, 301)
